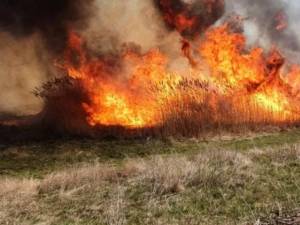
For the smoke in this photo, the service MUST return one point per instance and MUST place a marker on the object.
(21, 70)
(270, 23)
(117, 22)
(37, 32)
(50, 18)
(32, 32)
(190, 17)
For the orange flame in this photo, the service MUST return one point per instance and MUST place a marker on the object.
(114, 100)
(136, 90)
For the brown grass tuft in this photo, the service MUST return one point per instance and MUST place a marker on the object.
(17, 197)
(78, 177)
(208, 169)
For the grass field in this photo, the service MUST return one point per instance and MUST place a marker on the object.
(223, 180)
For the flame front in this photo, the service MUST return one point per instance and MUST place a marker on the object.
(137, 90)
(121, 97)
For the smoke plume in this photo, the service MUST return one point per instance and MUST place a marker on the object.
(32, 32)
(269, 22)
(50, 18)
(190, 17)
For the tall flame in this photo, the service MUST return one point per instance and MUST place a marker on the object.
(137, 90)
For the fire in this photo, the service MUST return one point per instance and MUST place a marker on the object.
(257, 76)
(183, 23)
(115, 110)
(115, 101)
(137, 90)
(273, 101)
(190, 18)
(230, 67)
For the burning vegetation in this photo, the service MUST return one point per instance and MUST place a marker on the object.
(228, 84)
(231, 86)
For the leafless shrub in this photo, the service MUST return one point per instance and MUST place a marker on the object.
(63, 112)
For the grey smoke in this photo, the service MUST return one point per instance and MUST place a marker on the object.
(32, 33)
(21, 70)
(23, 59)
(260, 23)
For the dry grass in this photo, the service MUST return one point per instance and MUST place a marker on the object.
(145, 191)
(287, 153)
(194, 109)
(78, 177)
(208, 169)
(189, 109)
(17, 198)
(161, 175)
(115, 208)
(164, 174)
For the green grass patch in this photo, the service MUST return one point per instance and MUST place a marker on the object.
(37, 159)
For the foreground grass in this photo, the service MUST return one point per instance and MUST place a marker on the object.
(236, 181)
(36, 159)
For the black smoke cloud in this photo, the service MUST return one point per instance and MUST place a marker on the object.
(190, 17)
(50, 18)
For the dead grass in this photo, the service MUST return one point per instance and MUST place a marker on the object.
(163, 174)
(194, 109)
(115, 208)
(208, 169)
(287, 153)
(17, 198)
(206, 188)
(78, 177)
(191, 108)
